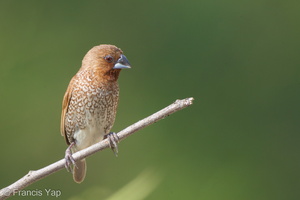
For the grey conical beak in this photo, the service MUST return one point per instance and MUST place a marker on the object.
(122, 63)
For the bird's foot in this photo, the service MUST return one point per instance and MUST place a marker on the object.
(113, 142)
(69, 158)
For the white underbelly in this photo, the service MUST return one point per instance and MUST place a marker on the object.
(91, 134)
(87, 137)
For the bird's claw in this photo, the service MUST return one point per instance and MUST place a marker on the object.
(69, 158)
(113, 142)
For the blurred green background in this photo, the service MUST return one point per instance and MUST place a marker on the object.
(239, 59)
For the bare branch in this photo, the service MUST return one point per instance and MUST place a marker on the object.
(36, 175)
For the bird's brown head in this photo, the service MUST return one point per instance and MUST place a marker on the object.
(105, 60)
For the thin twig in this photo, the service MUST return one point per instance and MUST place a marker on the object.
(36, 175)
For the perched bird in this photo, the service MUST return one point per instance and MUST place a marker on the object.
(90, 103)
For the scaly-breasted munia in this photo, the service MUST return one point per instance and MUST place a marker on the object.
(90, 102)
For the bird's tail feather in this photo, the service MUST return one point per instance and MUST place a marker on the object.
(79, 171)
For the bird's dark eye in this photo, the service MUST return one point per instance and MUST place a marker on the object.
(109, 59)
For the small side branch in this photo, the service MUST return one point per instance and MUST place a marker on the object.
(36, 175)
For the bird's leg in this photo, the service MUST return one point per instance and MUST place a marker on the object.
(113, 142)
(69, 158)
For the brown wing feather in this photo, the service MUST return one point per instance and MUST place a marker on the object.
(65, 105)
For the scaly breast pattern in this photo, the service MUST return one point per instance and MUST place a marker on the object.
(91, 111)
